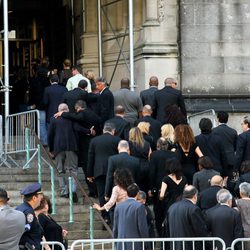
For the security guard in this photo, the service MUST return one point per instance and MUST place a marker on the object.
(32, 236)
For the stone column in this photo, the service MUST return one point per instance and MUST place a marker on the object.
(151, 17)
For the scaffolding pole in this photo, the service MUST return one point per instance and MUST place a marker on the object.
(99, 26)
(6, 58)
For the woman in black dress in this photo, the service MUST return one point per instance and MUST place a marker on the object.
(187, 150)
(140, 148)
(51, 230)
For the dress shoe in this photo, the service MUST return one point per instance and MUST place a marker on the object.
(75, 197)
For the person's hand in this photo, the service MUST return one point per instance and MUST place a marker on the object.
(150, 193)
(90, 179)
(64, 233)
(225, 181)
(97, 207)
(58, 114)
(92, 131)
(51, 155)
(106, 198)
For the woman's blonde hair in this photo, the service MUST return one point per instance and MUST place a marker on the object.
(136, 137)
(144, 127)
(167, 131)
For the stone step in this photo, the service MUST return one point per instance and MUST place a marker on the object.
(98, 234)
(83, 225)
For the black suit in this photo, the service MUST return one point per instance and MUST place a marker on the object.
(100, 148)
(72, 96)
(224, 222)
(52, 98)
(168, 96)
(185, 220)
(154, 130)
(122, 127)
(106, 105)
(228, 137)
(148, 95)
(211, 145)
(122, 160)
(242, 149)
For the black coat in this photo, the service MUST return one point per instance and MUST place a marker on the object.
(106, 105)
(122, 160)
(122, 127)
(224, 222)
(168, 96)
(52, 97)
(100, 148)
(72, 96)
(228, 137)
(242, 149)
(147, 96)
(211, 145)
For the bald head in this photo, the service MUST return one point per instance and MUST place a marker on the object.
(217, 180)
(190, 192)
(153, 81)
(125, 83)
(147, 110)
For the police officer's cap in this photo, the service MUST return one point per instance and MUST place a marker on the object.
(32, 189)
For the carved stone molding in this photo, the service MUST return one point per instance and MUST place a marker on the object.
(161, 10)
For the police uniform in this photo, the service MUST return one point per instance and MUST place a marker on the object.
(33, 232)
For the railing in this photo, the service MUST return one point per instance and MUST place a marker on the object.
(240, 244)
(52, 245)
(150, 243)
(194, 119)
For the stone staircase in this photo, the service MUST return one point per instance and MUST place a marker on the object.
(14, 179)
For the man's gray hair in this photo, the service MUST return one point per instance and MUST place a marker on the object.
(63, 107)
(223, 196)
(123, 144)
(108, 127)
(245, 188)
(147, 109)
(169, 80)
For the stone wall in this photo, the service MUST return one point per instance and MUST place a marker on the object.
(215, 50)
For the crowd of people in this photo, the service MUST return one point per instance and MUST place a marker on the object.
(138, 149)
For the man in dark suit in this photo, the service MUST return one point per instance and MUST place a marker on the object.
(130, 220)
(169, 95)
(147, 95)
(185, 218)
(211, 145)
(224, 221)
(100, 148)
(122, 160)
(79, 93)
(89, 120)
(243, 145)
(228, 137)
(53, 96)
(105, 101)
(122, 127)
(155, 125)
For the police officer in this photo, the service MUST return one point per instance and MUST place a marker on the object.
(32, 236)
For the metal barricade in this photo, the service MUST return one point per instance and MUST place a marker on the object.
(194, 119)
(150, 243)
(16, 124)
(52, 244)
(1, 136)
(240, 244)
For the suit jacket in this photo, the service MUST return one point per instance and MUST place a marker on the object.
(72, 96)
(12, 227)
(122, 127)
(52, 97)
(211, 145)
(100, 148)
(242, 149)
(148, 96)
(185, 220)
(62, 135)
(154, 130)
(130, 222)
(168, 96)
(157, 167)
(122, 160)
(229, 139)
(224, 222)
(106, 105)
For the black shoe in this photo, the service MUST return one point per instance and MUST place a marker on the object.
(75, 198)
(64, 195)
(92, 195)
